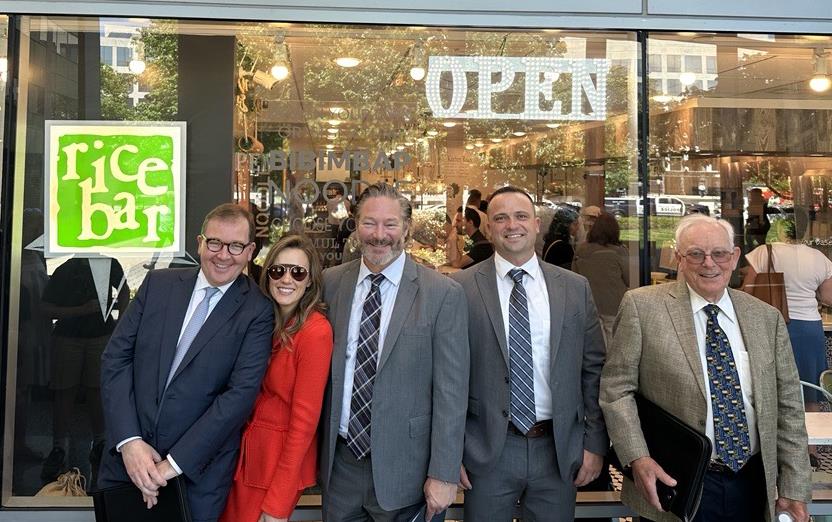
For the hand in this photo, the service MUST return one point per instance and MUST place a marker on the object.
(438, 496)
(645, 473)
(166, 470)
(464, 482)
(590, 469)
(265, 517)
(140, 461)
(796, 508)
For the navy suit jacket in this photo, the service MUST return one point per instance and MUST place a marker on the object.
(198, 418)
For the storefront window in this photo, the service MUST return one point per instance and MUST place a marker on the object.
(290, 120)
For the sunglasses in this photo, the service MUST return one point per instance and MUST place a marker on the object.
(298, 273)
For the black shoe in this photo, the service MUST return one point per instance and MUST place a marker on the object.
(53, 465)
(95, 461)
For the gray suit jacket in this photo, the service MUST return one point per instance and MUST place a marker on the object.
(655, 353)
(577, 356)
(421, 384)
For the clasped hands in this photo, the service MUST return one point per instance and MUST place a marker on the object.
(147, 469)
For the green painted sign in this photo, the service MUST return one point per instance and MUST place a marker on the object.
(115, 187)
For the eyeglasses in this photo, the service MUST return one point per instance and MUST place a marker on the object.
(298, 273)
(697, 257)
(235, 248)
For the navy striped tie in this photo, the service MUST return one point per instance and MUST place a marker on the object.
(733, 446)
(520, 355)
(366, 360)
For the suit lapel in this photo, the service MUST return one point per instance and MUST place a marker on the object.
(557, 307)
(408, 287)
(487, 284)
(219, 316)
(180, 297)
(681, 314)
(341, 309)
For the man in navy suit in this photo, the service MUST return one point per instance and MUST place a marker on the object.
(183, 367)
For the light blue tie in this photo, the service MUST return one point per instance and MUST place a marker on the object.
(193, 327)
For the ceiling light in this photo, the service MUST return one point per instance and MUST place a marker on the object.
(479, 144)
(334, 123)
(336, 110)
(496, 140)
(469, 147)
(280, 70)
(687, 78)
(417, 73)
(332, 130)
(449, 124)
(519, 133)
(331, 137)
(136, 66)
(330, 146)
(400, 147)
(347, 61)
(553, 125)
(820, 81)
(417, 69)
(432, 132)
(408, 143)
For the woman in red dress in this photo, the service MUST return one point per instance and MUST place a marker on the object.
(278, 454)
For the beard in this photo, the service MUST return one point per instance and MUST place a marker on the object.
(396, 248)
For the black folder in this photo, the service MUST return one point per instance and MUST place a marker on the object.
(681, 451)
(125, 504)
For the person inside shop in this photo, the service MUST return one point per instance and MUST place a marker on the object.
(757, 223)
(480, 249)
(475, 202)
(79, 296)
(536, 358)
(279, 456)
(719, 360)
(558, 242)
(393, 420)
(807, 274)
(183, 368)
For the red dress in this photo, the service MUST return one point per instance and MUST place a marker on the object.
(278, 458)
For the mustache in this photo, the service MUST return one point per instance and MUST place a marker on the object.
(379, 242)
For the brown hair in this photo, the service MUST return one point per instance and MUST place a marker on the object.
(230, 212)
(379, 190)
(605, 231)
(310, 301)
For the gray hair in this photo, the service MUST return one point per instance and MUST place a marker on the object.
(701, 219)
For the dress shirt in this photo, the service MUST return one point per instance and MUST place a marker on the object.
(728, 323)
(196, 296)
(539, 321)
(388, 288)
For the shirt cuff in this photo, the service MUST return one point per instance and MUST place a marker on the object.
(176, 468)
(125, 441)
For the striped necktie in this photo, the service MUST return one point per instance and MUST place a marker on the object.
(366, 360)
(733, 446)
(520, 355)
(191, 330)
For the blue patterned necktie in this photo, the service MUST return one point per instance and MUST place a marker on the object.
(192, 328)
(733, 446)
(520, 355)
(366, 360)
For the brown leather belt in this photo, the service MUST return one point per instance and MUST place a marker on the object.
(538, 429)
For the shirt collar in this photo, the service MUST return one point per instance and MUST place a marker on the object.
(697, 303)
(531, 267)
(202, 282)
(392, 272)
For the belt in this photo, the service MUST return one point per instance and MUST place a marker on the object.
(716, 466)
(538, 429)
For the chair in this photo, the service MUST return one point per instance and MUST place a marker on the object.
(825, 387)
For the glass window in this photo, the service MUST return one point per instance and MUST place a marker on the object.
(107, 56)
(123, 56)
(674, 63)
(693, 64)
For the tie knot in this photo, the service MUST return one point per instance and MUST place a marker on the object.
(516, 274)
(376, 279)
(712, 311)
(211, 291)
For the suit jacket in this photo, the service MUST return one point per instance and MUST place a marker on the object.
(655, 352)
(278, 458)
(421, 383)
(197, 419)
(577, 356)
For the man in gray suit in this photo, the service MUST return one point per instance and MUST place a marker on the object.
(534, 430)
(394, 412)
(719, 360)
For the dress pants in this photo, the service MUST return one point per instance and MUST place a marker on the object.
(734, 497)
(527, 471)
(351, 495)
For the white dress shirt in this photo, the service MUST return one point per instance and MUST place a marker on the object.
(196, 297)
(388, 288)
(539, 322)
(728, 323)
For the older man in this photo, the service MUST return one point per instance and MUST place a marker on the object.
(394, 413)
(720, 360)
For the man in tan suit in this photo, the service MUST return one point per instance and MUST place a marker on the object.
(695, 347)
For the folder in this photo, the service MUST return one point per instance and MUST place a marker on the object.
(683, 453)
(125, 504)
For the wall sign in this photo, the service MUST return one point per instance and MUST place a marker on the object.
(539, 75)
(114, 187)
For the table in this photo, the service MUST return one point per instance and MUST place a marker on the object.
(819, 427)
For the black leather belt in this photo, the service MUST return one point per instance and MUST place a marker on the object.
(716, 466)
(538, 429)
